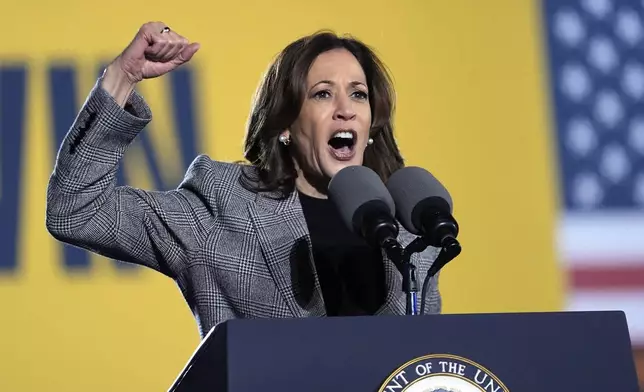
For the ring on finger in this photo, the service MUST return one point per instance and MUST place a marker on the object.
(165, 30)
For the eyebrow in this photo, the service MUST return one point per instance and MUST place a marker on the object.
(353, 83)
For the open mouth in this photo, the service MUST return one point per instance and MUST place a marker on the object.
(342, 144)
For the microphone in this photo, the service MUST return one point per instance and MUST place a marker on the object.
(368, 209)
(365, 205)
(424, 207)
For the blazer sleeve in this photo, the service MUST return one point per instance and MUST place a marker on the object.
(86, 209)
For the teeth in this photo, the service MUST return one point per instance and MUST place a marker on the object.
(344, 135)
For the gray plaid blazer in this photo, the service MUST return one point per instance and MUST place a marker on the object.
(232, 252)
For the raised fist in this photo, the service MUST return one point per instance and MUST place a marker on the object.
(154, 51)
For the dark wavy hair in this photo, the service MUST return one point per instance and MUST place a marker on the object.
(279, 99)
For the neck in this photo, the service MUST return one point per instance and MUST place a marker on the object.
(310, 186)
(303, 186)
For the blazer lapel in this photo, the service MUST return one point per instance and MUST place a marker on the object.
(286, 245)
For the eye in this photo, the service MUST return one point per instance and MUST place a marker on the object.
(322, 94)
(360, 95)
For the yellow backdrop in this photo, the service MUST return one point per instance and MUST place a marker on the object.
(472, 108)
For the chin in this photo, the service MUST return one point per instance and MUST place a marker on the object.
(334, 167)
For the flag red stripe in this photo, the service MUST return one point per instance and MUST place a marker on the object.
(623, 277)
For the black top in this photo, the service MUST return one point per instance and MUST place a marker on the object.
(351, 272)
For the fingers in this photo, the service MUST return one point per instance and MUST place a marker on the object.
(163, 50)
(176, 44)
(163, 46)
(186, 54)
(151, 30)
(146, 35)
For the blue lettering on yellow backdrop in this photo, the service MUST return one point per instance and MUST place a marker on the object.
(64, 104)
(12, 115)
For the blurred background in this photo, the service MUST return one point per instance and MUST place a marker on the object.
(530, 112)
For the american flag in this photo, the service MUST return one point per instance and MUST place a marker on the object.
(595, 52)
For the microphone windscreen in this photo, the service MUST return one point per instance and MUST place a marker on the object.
(414, 190)
(354, 187)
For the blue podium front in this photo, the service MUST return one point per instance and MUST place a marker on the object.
(519, 352)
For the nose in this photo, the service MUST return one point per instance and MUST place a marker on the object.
(344, 110)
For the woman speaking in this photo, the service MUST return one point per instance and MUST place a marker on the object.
(243, 240)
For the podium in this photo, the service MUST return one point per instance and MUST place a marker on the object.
(519, 352)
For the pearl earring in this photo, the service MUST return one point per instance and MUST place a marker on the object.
(370, 142)
(285, 140)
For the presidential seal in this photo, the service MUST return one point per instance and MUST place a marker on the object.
(442, 373)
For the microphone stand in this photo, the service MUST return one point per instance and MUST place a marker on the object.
(402, 260)
(444, 231)
(383, 232)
